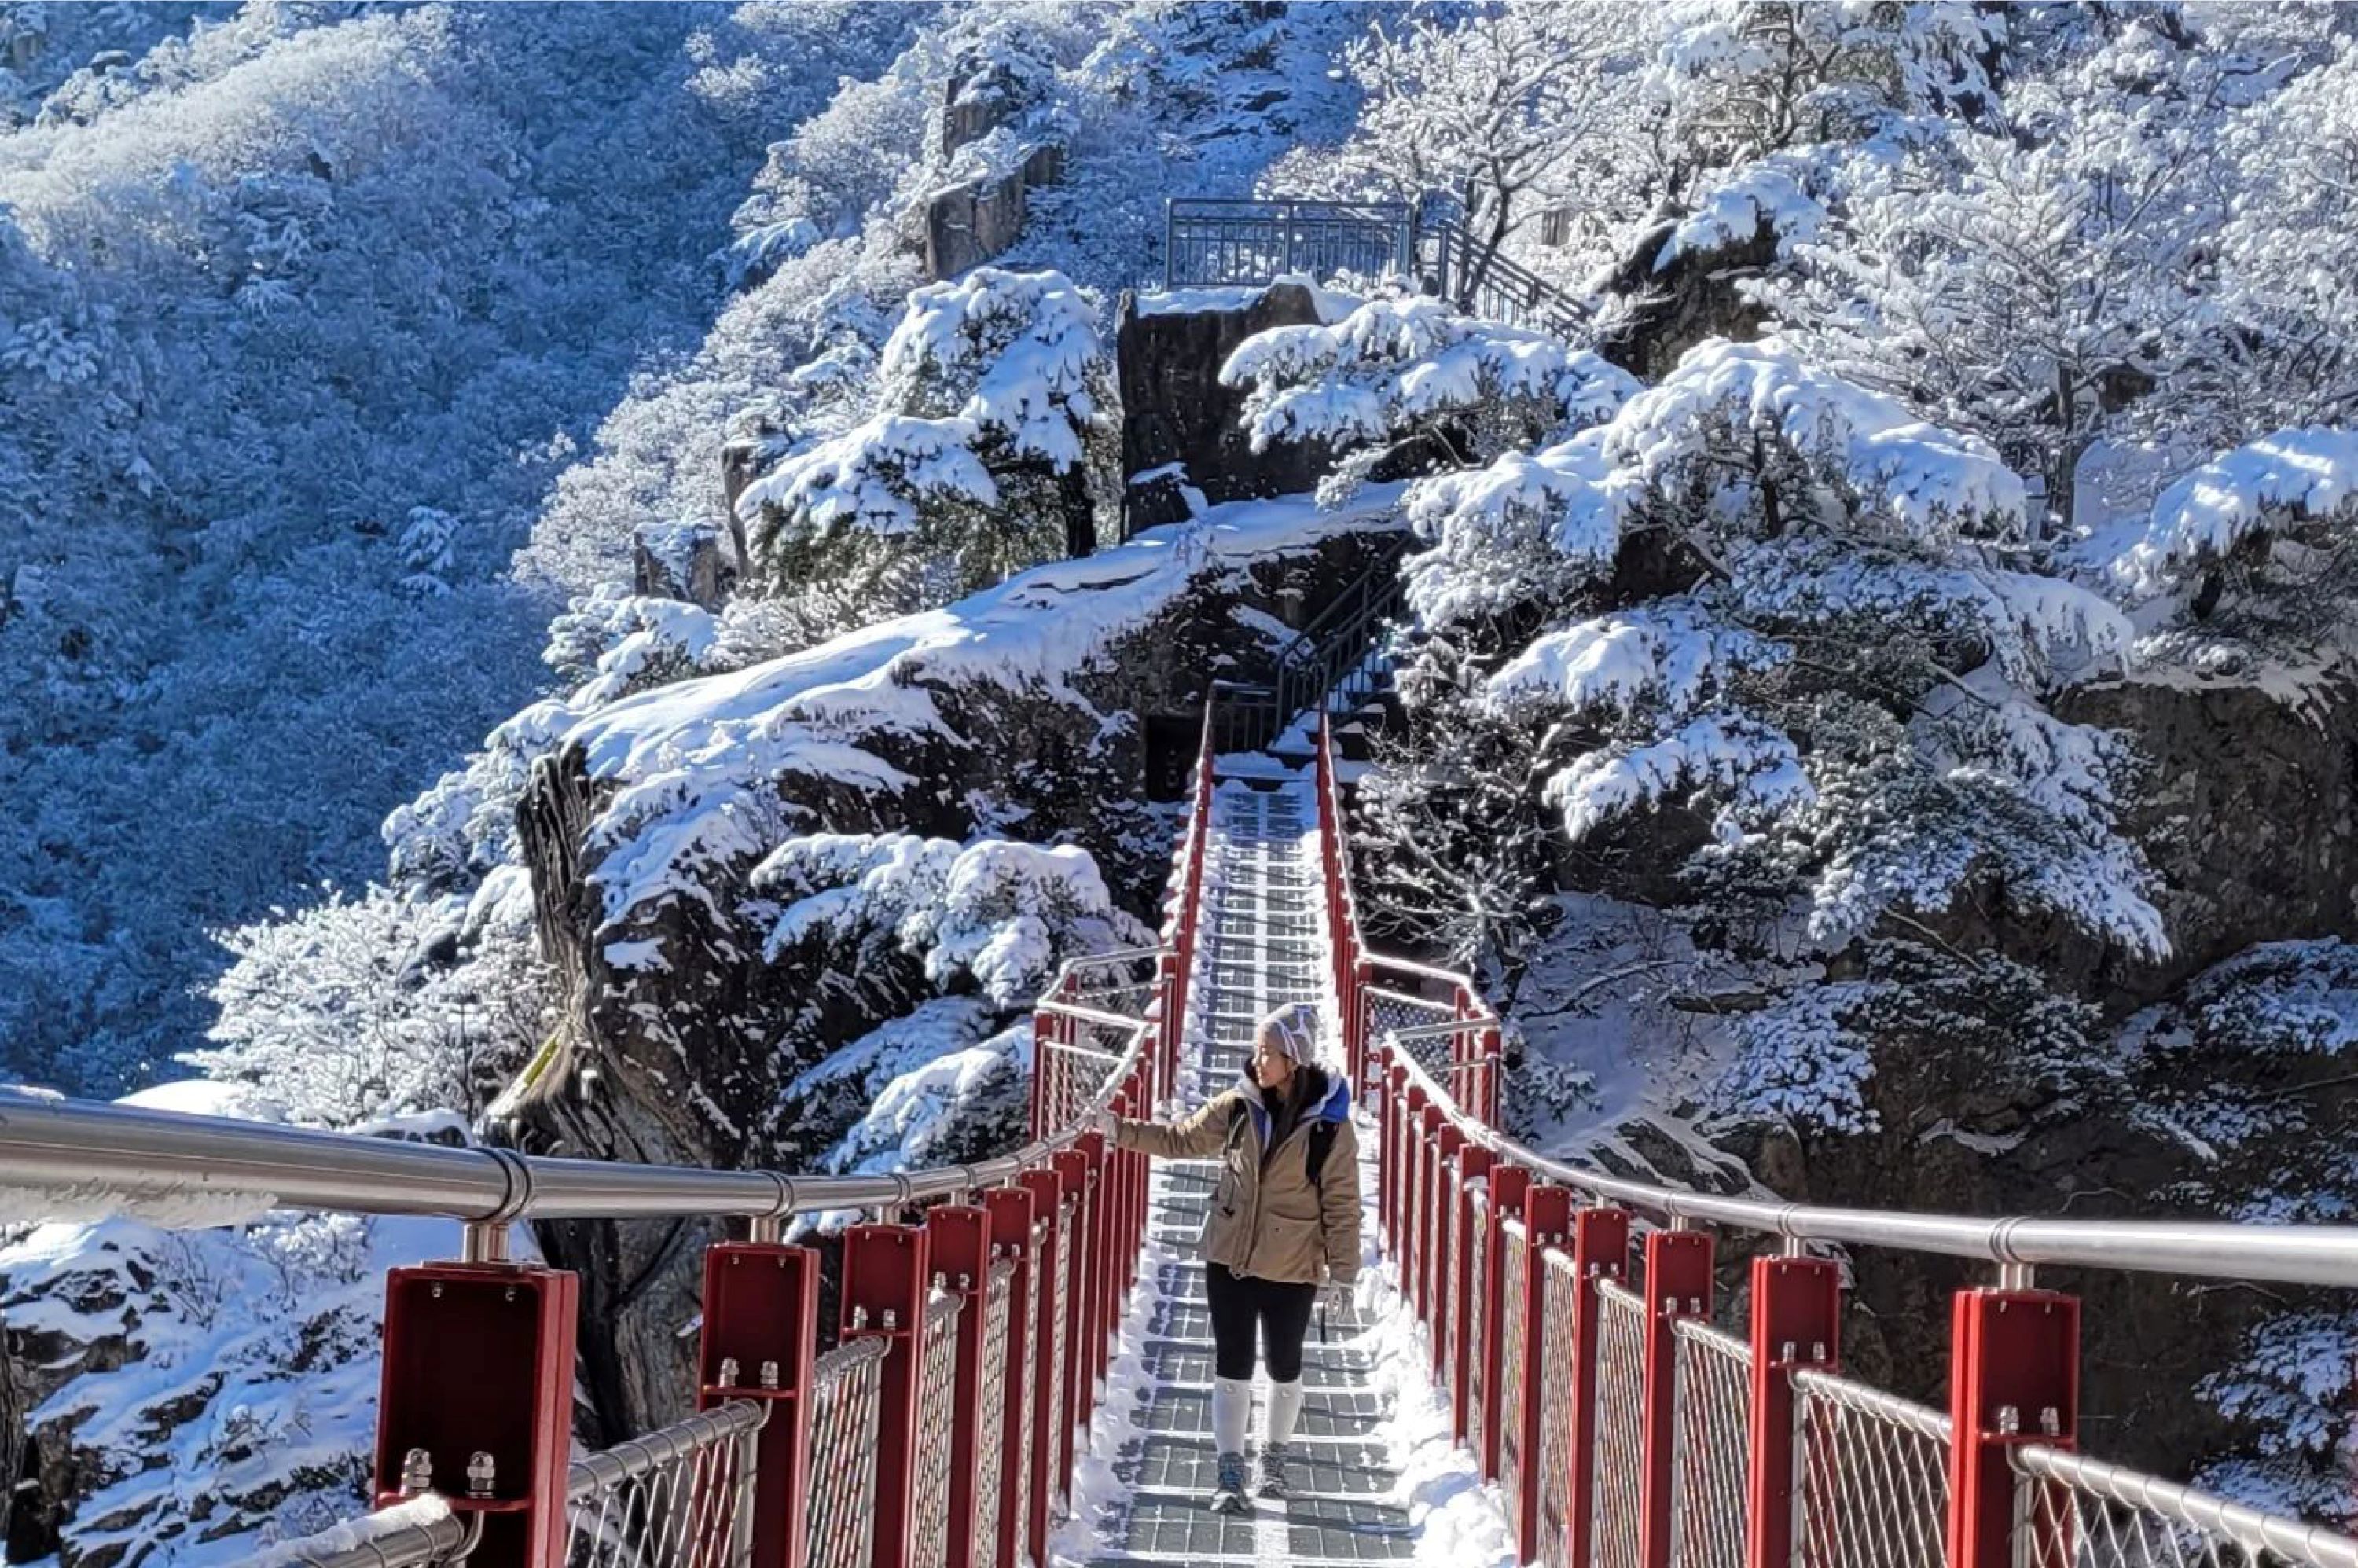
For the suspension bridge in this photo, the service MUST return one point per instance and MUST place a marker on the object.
(1623, 1410)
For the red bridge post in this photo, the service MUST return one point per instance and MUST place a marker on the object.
(760, 1336)
(1547, 1219)
(2014, 1378)
(1510, 1185)
(1448, 1207)
(478, 1379)
(1080, 1182)
(1048, 1192)
(1011, 1212)
(1676, 1284)
(957, 1237)
(1473, 1165)
(1796, 1322)
(886, 1273)
(1600, 1246)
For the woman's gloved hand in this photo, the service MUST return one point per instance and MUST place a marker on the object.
(1338, 1297)
(1105, 1123)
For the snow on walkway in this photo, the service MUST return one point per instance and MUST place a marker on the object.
(1375, 1477)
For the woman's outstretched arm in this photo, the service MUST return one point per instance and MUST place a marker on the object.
(1192, 1136)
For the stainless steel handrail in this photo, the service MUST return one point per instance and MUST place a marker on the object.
(2287, 1254)
(79, 1160)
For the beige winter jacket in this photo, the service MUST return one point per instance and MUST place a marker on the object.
(1265, 1220)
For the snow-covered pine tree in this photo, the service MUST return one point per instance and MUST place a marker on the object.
(1797, 642)
(1407, 384)
(993, 410)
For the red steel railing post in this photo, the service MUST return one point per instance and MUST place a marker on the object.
(1048, 1190)
(1678, 1285)
(1404, 1170)
(886, 1275)
(1427, 1138)
(761, 1323)
(1510, 1185)
(1073, 1167)
(1547, 1218)
(1355, 999)
(1796, 1322)
(1045, 1064)
(478, 1375)
(1011, 1211)
(958, 1238)
(2014, 1378)
(1105, 1268)
(1449, 1201)
(1473, 1165)
(1600, 1248)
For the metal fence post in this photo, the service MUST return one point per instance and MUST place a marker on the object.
(1081, 1184)
(1547, 1218)
(886, 1274)
(1678, 1285)
(1048, 1192)
(1600, 1248)
(475, 1400)
(1472, 1166)
(1012, 1211)
(1510, 1185)
(1424, 1137)
(957, 1237)
(1448, 1203)
(760, 1323)
(2014, 1378)
(1796, 1322)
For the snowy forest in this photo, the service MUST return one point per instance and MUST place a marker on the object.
(580, 577)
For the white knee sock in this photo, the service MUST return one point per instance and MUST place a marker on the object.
(1231, 1412)
(1284, 1409)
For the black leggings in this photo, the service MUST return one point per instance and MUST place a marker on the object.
(1237, 1300)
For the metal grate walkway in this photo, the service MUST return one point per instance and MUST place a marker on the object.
(1264, 943)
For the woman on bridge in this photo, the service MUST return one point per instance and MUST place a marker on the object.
(1283, 1220)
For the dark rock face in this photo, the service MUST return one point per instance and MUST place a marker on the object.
(687, 1063)
(2249, 814)
(969, 222)
(693, 562)
(1175, 410)
(1693, 298)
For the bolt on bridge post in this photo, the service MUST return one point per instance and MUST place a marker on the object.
(1678, 1285)
(1796, 1322)
(886, 1270)
(475, 1400)
(2014, 1378)
(760, 1313)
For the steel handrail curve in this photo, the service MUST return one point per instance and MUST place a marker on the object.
(2323, 1255)
(450, 1537)
(2249, 1528)
(72, 1159)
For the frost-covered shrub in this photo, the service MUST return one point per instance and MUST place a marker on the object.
(986, 381)
(361, 1010)
(1770, 624)
(993, 914)
(1405, 374)
(1969, 1032)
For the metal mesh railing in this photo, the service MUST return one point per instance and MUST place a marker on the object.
(929, 1494)
(1620, 1422)
(673, 1499)
(1027, 1398)
(1059, 1307)
(846, 1386)
(2075, 1512)
(990, 1450)
(680, 1497)
(1561, 1326)
(1514, 1335)
(1874, 1476)
(1713, 1445)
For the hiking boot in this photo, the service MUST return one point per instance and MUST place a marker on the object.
(1229, 1498)
(1272, 1471)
